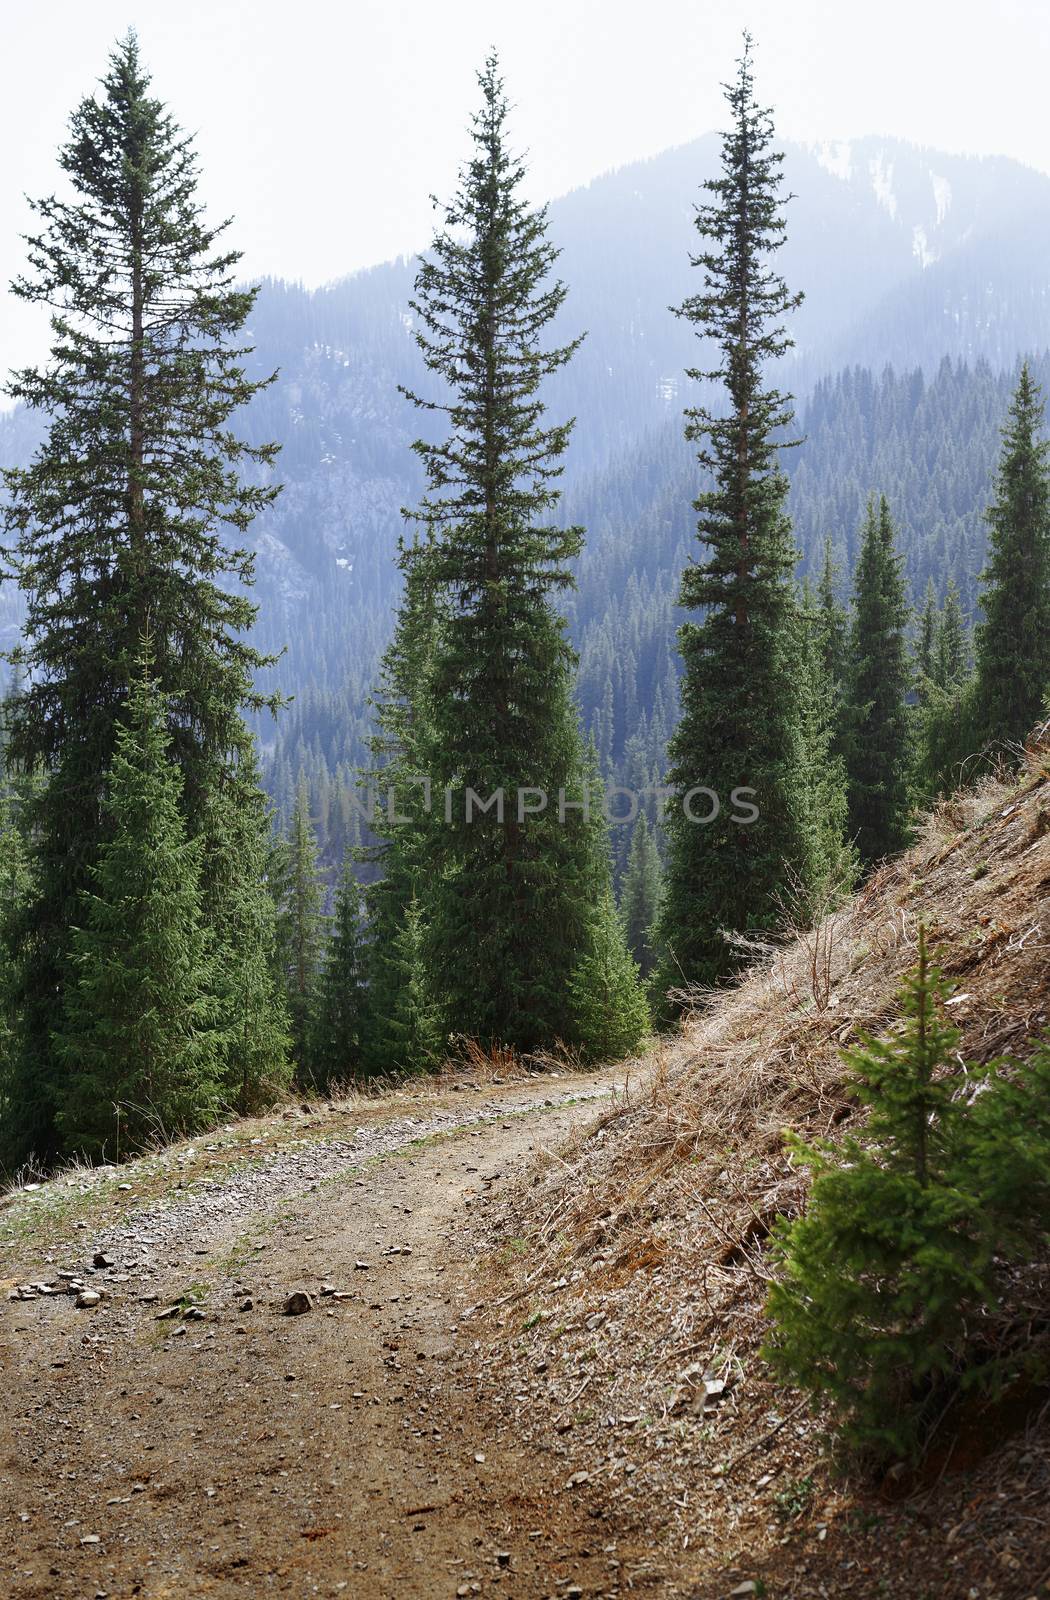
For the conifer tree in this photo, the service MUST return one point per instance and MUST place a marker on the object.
(122, 519)
(877, 1278)
(410, 1033)
(241, 883)
(830, 867)
(612, 1015)
(336, 1052)
(403, 851)
(881, 1282)
(834, 627)
(640, 897)
(953, 645)
(509, 910)
(15, 887)
(1013, 642)
(301, 927)
(739, 726)
(878, 746)
(926, 644)
(138, 1032)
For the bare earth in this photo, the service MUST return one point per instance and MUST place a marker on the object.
(246, 1450)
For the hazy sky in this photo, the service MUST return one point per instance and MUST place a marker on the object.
(325, 127)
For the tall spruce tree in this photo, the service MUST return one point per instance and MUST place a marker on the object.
(138, 1031)
(121, 521)
(834, 626)
(640, 897)
(402, 852)
(830, 866)
(952, 660)
(739, 726)
(335, 1055)
(878, 757)
(508, 912)
(1013, 642)
(926, 643)
(301, 927)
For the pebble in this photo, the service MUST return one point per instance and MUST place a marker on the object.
(88, 1298)
(297, 1303)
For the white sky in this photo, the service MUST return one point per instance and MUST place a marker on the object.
(325, 127)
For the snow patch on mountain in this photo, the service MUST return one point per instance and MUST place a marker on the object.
(882, 184)
(942, 196)
(921, 247)
(836, 157)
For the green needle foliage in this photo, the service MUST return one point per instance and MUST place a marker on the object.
(402, 755)
(739, 727)
(301, 928)
(335, 1055)
(15, 885)
(926, 643)
(834, 628)
(120, 526)
(879, 1283)
(409, 1035)
(507, 910)
(240, 908)
(831, 863)
(953, 642)
(878, 750)
(138, 1034)
(640, 898)
(1013, 642)
(607, 990)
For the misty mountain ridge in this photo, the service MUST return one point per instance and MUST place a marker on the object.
(906, 256)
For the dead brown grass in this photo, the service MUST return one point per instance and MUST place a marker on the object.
(645, 1275)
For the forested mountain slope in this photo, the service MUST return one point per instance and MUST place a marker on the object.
(905, 258)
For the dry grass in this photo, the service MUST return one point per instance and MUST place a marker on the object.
(645, 1276)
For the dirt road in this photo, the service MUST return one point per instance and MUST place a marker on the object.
(233, 1449)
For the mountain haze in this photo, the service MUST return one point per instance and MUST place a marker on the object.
(906, 256)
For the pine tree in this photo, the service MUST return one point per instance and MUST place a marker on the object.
(926, 644)
(336, 1052)
(403, 851)
(830, 867)
(834, 627)
(15, 887)
(1013, 642)
(122, 518)
(878, 743)
(410, 1034)
(640, 898)
(511, 888)
(739, 727)
(240, 876)
(138, 1032)
(612, 1016)
(878, 1278)
(953, 645)
(300, 928)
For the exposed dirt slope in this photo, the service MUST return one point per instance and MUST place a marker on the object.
(628, 1274)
